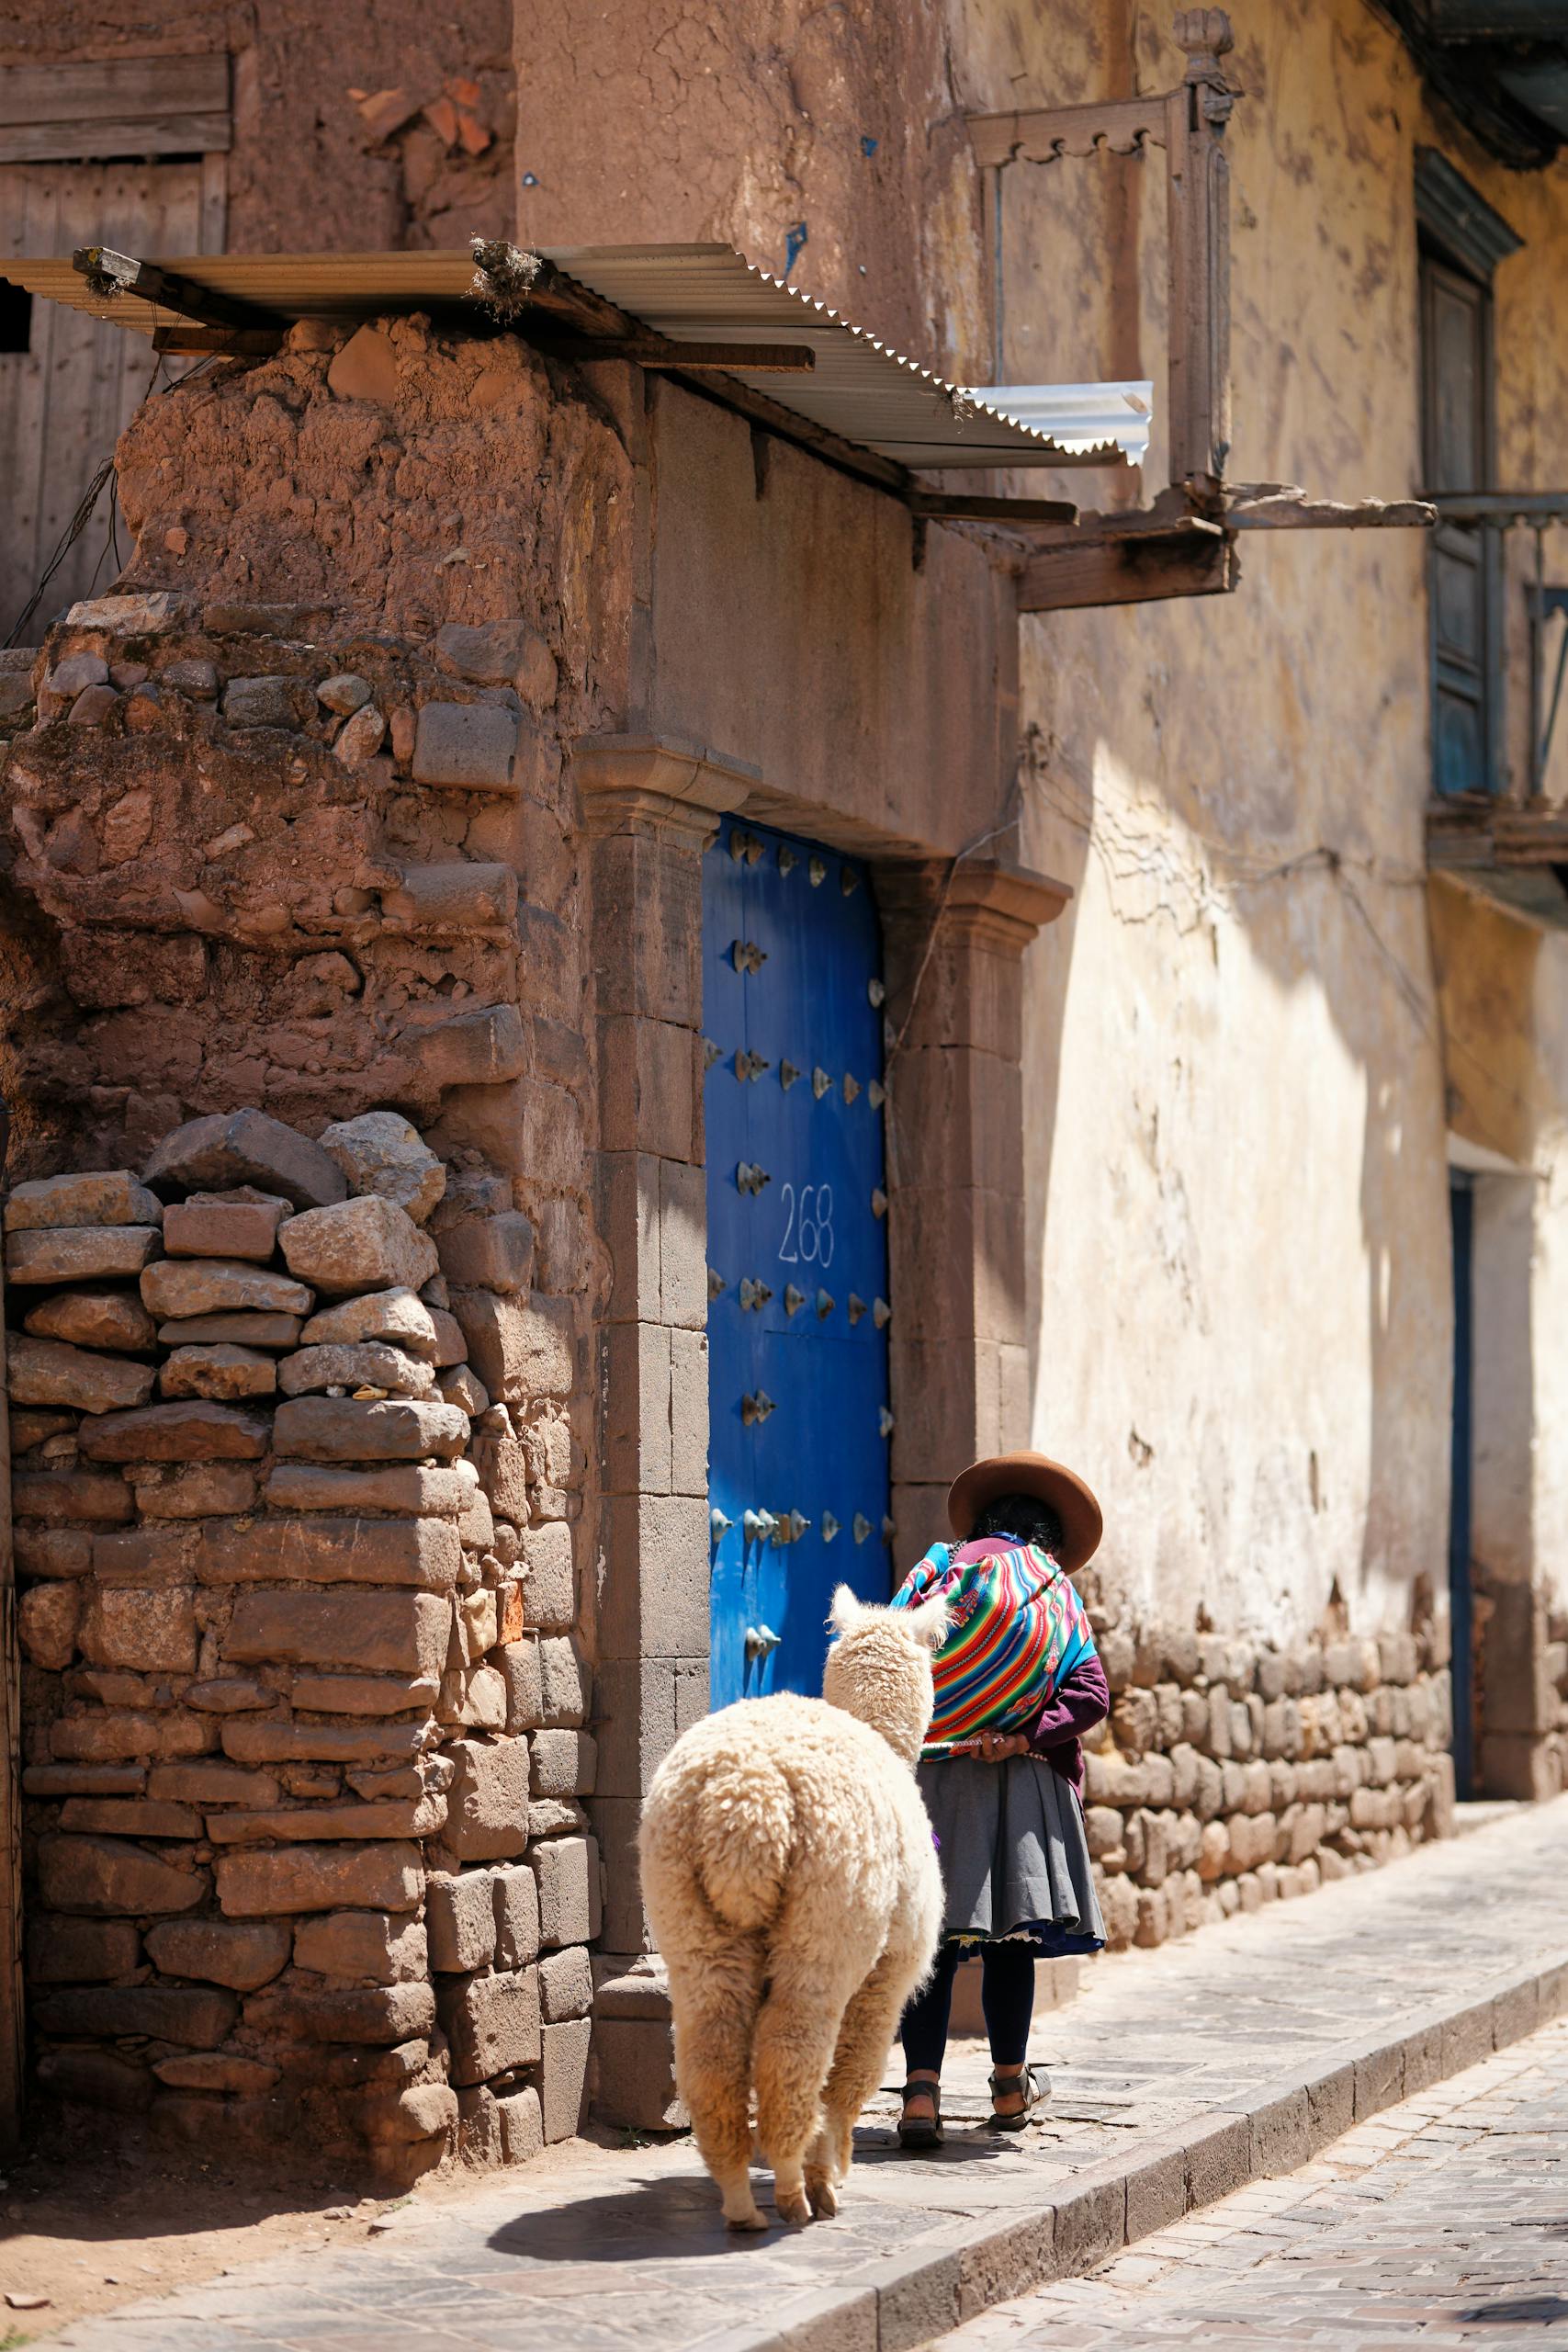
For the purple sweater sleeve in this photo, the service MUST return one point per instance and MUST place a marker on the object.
(1076, 1706)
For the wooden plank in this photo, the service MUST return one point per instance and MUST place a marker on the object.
(138, 135)
(115, 90)
(112, 273)
(1044, 134)
(13, 2042)
(957, 507)
(1063, 579)
(658, 351)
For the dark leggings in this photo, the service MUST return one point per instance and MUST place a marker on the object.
(1007, 1996)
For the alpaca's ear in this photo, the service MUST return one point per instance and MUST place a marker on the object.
(929, 1622)
(845, 1612)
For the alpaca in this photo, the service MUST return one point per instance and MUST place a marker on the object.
(792, 1887)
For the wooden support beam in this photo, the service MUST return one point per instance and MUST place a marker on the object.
(109, 273)
(1045, 134)
(954, 506)
(673, 358)
(239, 343)
(1198, 211)
(1197, 563)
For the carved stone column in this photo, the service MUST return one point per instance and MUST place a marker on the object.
(955, 943)
(649, 808)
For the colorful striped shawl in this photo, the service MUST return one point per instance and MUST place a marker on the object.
(1015, 1630)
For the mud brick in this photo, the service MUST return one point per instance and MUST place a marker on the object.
(153, 1632)
(567, 1870)
(489, 1253)
(93, 1318)
(461, 1918)
(424, 1553)
(47, 1621)
(491, 2023)
(246, 1148)
(563, 2078)
(398, 1316)
(218, 1372)
(163, 2012)
(108, 1732)
(249, 1741)
(113, 1197)
(370, 1944)
(110, 1877)
(408, 1488)
(239, 1329)
(207, 1226)
(362, 1694)
(53, 1550)
(386, 1877)
(178, 1289)
(79, 1253)
(130, 1817)
(566, 1984)
(466, 746)
(62, 1950)
(337, 1429)
(381, 1632)
(184, 1433)
(563, 1763)
(488, 1811)
(204, 1490)
(420, 1818)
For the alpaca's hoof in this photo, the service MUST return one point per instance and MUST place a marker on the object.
(823, 2197)
(792, 2206)
(749, 2220)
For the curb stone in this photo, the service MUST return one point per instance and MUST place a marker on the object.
(914, 2299)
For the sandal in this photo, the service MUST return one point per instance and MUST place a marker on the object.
(917, 2131)
(1033, 2082)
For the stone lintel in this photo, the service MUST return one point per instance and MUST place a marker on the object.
(658, 783)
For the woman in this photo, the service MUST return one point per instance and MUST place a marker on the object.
(1017, 1682)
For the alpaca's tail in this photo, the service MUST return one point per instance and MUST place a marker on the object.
(720, 1845)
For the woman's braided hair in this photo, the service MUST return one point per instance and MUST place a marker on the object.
(1023, 1517)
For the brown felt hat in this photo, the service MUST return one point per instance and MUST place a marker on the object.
(1028, 1474)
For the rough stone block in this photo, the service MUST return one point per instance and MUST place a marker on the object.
(246, 1148)
(459, 1912)
(223, 1373)
(107, 1732)
(516, 1894)
(519, 1665)
(47, 1621)
(500, 653)
(488, 1811)
(491, 2023)
(451, 1348)
(405, 1487)
(196, 1432)
(130, 1817)
(373, 1945)
(211, 1782)
(566, 1984)
(567, 1870)
(377, 2016)
(369, 1243)
(396, 1817)
(260, 702)
(563, 2078)
(106, 1876)
(378, 1631)
(427, 2111)
(217, 2070)
(460, 1386)
(398, 1316)
(93, 1318)
(371, 1365)
(378, 1877)
(521, 2124)
(239, 1329)
(363, 1694)
(549, 1591)
(338, 1429)
(53, 1550)
(273, 1742)
(452, 898)
(380, 1154)
(469, 747)
(243, 1955)
(204, 1490)
(58, 1496)
(61, 1951)
(209, 1226)
(563, 1763)
(422, 1553)
(163, 2012)
(151, 1632)
(494, 1252)
(485, 1048)
(111, 1197)
(79, 1253)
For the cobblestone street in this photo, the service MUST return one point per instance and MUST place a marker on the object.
(1442, 2222)
(1176, 2076)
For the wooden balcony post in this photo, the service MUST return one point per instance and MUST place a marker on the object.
(1198, 188)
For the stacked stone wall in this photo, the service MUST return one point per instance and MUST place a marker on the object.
(1230, 1775)
(304, 1743)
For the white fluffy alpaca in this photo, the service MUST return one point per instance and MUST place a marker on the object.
(793, 1886)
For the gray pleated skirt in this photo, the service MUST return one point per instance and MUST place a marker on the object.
(1015, 1853)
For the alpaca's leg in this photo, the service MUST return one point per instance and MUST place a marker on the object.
(797, 2032)
(871, 2020)
(715, 1999)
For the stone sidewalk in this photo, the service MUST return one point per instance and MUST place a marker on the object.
(1437, 2223)
(1179, 2075)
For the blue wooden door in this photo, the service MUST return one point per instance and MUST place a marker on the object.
(797, 1252)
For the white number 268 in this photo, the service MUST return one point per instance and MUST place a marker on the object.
(809, 1226)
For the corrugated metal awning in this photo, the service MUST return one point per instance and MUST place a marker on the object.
(858, 389)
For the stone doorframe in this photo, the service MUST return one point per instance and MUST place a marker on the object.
(953, 942)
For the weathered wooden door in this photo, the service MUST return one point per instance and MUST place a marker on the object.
(1456, 340)
(797, 1254)
(68, 384)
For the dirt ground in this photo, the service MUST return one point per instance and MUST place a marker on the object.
(95, 2225)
